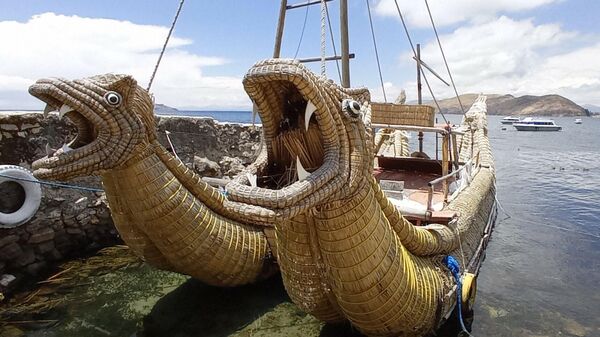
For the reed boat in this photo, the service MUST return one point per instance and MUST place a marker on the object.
(362, 227)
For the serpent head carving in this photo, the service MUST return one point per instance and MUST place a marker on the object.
(315, 144)
(112, 114)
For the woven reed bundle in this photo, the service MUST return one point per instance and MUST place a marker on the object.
(402, 114)
(391, 143)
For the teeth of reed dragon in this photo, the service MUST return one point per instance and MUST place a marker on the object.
(252, 179)
(63, 110)
(48, 109)
(302, 173)
(49, 151)
(66, 148)
(310, 110)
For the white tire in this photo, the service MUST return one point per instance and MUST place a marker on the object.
(33, 196)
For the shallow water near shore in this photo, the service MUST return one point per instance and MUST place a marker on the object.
(539, 278)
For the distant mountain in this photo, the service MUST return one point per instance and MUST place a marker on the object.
(592, 108)
(506, 105)
(162, 109)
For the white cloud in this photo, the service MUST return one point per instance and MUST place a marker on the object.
(76, 47)
(447, 12)
(518, 57)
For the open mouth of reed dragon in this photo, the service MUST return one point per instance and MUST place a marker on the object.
(301, 140)
(103, 134)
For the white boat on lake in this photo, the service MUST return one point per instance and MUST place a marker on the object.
(510, 120)
(533, 124)
(578, 121)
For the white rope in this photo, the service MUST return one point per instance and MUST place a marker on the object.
(323, 33)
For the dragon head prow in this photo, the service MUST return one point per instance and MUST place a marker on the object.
(112, 114)
(315, 139)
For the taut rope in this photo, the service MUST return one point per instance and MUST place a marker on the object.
(165, 45)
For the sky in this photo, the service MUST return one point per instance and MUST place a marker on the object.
(518, 47)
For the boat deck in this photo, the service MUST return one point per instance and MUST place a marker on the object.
(416, 188)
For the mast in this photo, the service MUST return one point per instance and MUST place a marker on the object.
(280, 24)
(419, 87)
(345, 43)
(419, 93)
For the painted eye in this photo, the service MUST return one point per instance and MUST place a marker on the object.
(352, 107)
(113, 98)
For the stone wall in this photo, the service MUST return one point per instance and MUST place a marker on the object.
(71, 223)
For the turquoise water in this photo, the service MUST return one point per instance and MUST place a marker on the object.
(540, 276)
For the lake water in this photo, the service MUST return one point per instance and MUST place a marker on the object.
(540, 277)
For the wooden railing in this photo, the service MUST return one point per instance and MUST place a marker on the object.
(468, 166)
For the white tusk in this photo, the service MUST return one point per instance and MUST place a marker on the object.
(63, 110)
(47, 110)
(310, 110)
(49, 151)
(302, 173)
(66, 148)
(252, 179)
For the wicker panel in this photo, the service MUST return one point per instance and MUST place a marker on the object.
(402, 114)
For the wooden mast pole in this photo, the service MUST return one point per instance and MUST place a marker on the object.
(279, 34)
(345, 43)
(419, 87)
(419, 93)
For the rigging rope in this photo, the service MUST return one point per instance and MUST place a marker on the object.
(419, 61)
(444, 57)
(323, 33)
(53, 184)
(303, 29)
(376, 52)
(337, 62)
(165, 45)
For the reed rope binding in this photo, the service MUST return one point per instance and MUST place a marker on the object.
(323, 37)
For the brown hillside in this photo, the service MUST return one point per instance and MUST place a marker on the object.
(507, 105)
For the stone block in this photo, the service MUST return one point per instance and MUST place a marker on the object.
(36, 268)
(74, 231)
(54, 255)
(45, 247)
(27, 257)
(44, 235)
(27, 126)
(9, 127)
(8, 239)
(10, 252)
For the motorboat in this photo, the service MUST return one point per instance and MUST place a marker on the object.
(578, 121)
(534, 124)
(510, 120)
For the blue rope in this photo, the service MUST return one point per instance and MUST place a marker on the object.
(454, 268)
(49, 183)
